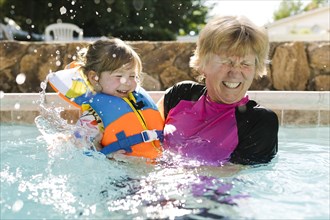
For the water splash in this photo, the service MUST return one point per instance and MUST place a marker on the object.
(50, 116)
(54, 129)
(216, 190)
(123, 185)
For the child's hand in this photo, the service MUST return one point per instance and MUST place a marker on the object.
(96, 141)
(119, 152)
(117, 155)
(57, 140)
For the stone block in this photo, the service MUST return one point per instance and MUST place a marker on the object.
(300, 117)
(290, 68)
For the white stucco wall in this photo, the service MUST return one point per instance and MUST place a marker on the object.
(309, 26)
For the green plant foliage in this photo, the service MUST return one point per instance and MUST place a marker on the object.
(316, 4)
(288, 8)
(128, 19)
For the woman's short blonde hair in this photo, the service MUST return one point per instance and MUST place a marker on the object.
(234, 35)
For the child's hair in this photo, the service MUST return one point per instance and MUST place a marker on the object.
(109, 55)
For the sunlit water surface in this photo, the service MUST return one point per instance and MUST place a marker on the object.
(40, 181)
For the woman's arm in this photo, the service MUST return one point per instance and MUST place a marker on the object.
(258, 136)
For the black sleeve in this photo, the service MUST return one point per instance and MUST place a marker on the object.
(186, 90)
(257, 133)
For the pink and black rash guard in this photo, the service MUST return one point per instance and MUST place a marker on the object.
(215, 133)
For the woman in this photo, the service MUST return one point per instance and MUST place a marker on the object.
(216, 122)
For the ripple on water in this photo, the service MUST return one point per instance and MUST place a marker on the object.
(39, 183)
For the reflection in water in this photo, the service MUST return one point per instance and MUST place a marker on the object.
(63, 182)
(45, 175)
(73, 183)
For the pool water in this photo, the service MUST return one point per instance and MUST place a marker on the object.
(39, 180)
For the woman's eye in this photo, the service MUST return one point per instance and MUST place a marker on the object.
(225, 62)
(247, 64)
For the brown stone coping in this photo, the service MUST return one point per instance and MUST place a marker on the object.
(292, 107)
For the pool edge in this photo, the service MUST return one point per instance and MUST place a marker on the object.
(292, 107)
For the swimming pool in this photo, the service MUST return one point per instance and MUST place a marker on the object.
(37, 182)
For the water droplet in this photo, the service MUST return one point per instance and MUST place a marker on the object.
(114, 55)
(17, 106)
(28, 21)
(62, 10)
(123, 80)
(20, 78)
(58, 63)
(17, 206)
(43, 85)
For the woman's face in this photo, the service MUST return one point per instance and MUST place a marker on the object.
(119, 82)
(228, 78)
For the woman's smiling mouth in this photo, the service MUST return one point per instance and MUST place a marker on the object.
(231, 85)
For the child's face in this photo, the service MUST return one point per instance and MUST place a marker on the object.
(119, 82)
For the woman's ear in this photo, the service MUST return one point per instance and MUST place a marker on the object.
(202, 74)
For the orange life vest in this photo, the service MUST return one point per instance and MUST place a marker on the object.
(133, 124)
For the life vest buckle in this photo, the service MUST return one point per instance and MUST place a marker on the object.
(149, 135)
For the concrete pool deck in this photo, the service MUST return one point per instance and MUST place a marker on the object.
(292, 107)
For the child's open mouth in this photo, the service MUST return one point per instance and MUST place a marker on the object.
(123, 92)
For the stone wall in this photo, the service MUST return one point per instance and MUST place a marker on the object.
(295, 66)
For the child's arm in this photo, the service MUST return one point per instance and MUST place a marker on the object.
(89, 131)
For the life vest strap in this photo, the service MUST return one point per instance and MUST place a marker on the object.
(126, 143)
